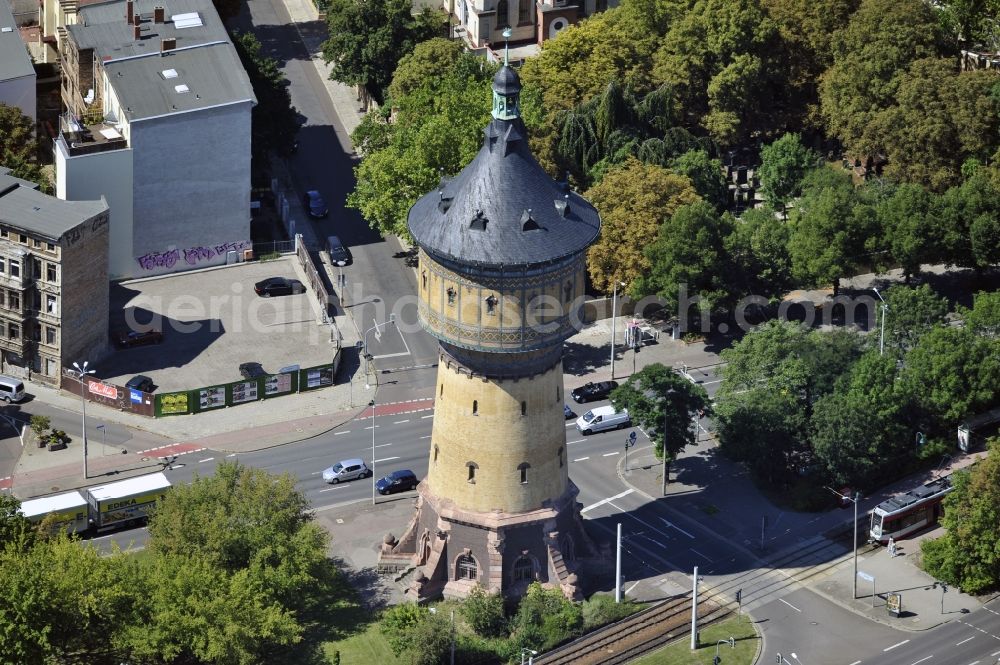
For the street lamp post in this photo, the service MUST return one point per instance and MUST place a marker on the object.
(881, 337)
(614, 320)
(372, 405)
(80, 373)
(531, 654)
(853, 499)
(731, 642)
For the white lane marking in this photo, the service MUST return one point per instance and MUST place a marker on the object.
(857, 662)
(994, 655)
(570, 443)
(207, 459)
(339, 433)
(964, 641)
(610, 454)
(426, 437)
(400, 422)
(385, 459)
(674, 526)
(383, 445)
(330, 489)
(699, 554)
(231, 455)
(391, 355)
(608, 500)
(373, 427)
(975, 662)
(581, 459)
(899, 644)
(789, 604)
(568, 425)
(922, 659)
(428, 416)
(629, 590)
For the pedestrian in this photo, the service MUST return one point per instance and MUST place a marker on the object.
(892, 547)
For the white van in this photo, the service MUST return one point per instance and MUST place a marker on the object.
(603, 418)
(11, 389)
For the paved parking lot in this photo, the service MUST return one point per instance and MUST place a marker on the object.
(212, 321)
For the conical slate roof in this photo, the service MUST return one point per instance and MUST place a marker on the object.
(503, 209)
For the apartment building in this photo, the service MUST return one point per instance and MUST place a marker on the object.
(480, 23)
(53, 281)
(158, 122)
(17, 74)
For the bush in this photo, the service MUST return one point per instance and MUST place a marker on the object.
(601, 609)
(484, 612)
(545, 618)
(397, 622)
(430, 639)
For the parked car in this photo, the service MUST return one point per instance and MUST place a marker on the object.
(126, 339)
(278, 286)
(339, 254)
(252, 370)
(141, 382)
(593, 391)
(568, 412)
(403, 480)
(348, 469)
(603, 418)
(314, 204)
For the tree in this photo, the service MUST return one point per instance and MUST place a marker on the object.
(909, 229)
(634, 200)
(16, 531)
(245, 520)
(953, 373)
(368, 38)
(912, 313)
(274, 121)
(766, 431)
(545, 618)
(984, 317)
(437, 131)
(870, 56)
(663, 404)
(484, 612)
(18, 146)
(784, 164)
(968, 213)
(830, 228)
(430, 60)
(689, 257)
(758, 246)
(397, 623)
(705, 174)
(967, 554)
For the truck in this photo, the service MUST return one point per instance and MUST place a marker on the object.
(83, 512)
(126, 501)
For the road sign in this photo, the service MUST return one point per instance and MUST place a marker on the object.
(630, 441)
(865, 576)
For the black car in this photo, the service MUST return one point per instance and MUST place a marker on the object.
(313, 202)
(568, 412)
(397, 481)
(252, 370)
(141, 382)
(129, 338)
(278, 286)
(339, 254)
(593, 391)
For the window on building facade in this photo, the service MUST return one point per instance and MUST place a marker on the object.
(472, 471)
(523, 468)
(36, 268)
(466, 568)
(50, 338)
(49, 246)
(524, 8)
(3, 266)
(24, 239)
(4, 233)
(35, 242)
(15, 267)
(13, 330)
(14, 300)
(50, 304)
(503, 14)
(51, 367)
(451, 295)
(50, 272)
(491, 304)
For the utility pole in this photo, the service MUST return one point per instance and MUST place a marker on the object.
(694, 611)
(618, 565)
(854, 498)
(372, 405)
(664, 452)
(614, 320)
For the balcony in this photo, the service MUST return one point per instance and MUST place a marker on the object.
(81, 138)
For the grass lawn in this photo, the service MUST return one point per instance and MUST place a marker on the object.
(367, 646)
(679, 653)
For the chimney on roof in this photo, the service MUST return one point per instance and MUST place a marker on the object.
(136, 32)
(167, 44)
(129, 12)
(157, 14)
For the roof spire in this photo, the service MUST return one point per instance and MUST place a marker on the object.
(506, 46)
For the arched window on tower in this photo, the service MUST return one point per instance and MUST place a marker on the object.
(560, 456)
(436, 455)
(475, 407)
(466, 568)
(451, 295)
(524, 570)
(524, 408)
(503, 14)
(491, 304)
(472, 471)
(523, 468)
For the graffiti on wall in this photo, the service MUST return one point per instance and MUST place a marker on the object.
(191, 256)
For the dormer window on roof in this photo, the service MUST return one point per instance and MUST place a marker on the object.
(478, 222)
(181, 88)
(528, 222)
(188, 20)
(169, 73)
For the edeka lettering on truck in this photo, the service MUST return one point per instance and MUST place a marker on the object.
(134, 507)
(121, 504)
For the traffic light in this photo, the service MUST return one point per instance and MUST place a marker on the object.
(716, 660)
(739, 595)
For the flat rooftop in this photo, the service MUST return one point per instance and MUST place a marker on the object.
(22, 206)
(15, 62)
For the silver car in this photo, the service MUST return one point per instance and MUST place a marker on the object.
(348, 469)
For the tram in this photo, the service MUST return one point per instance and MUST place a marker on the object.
(909, 512)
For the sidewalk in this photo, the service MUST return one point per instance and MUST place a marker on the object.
(705, 484)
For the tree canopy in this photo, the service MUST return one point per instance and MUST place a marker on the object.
(274, 122)
(18, 146)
